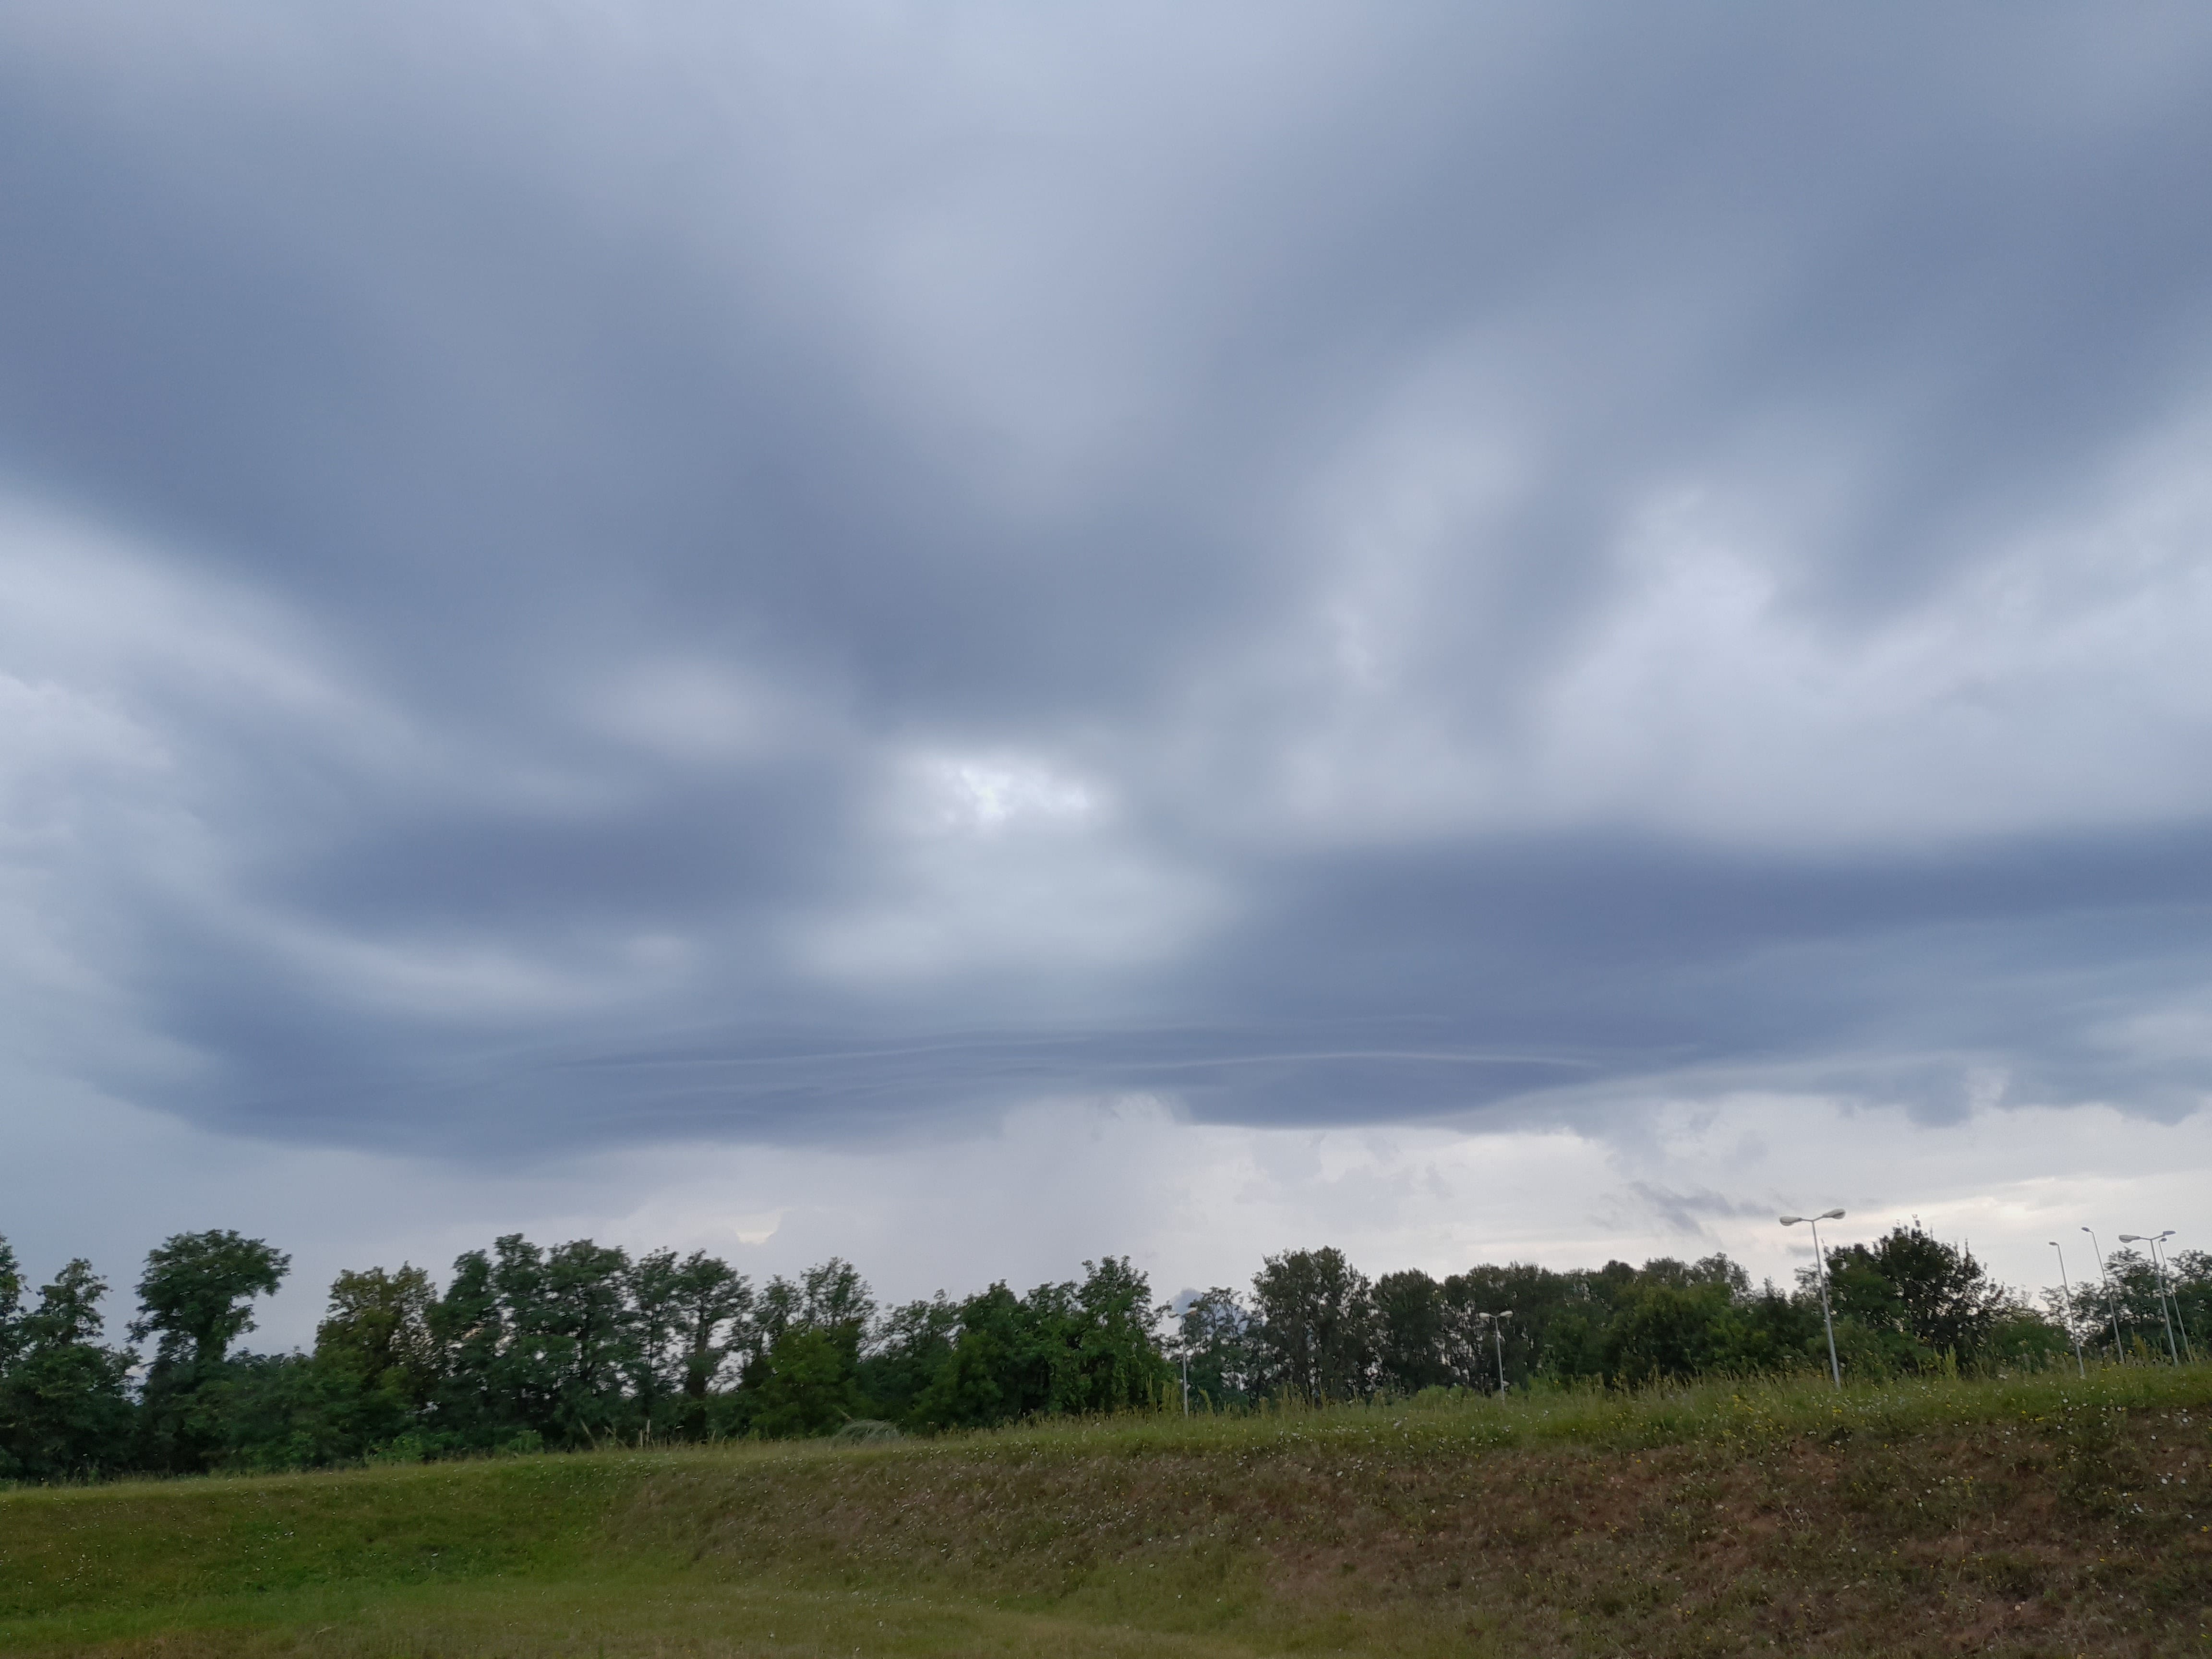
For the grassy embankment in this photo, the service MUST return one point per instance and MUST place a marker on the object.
(2042, 1516)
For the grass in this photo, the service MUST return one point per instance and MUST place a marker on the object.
(2037, 1516)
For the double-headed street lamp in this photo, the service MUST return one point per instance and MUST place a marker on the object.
(1835, 1366)
(1498, 1332)
(2158, 1266)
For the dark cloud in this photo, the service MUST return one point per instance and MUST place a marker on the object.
(792, 576)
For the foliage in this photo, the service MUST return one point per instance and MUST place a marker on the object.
(64, 1411)
(1213, 1343)
(1922, 1298)
(579, 1345)
(1313, 1336)
(196, 1298)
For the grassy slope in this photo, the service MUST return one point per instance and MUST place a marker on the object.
(2044, 1516)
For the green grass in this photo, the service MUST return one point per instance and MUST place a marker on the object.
(2036, 1515)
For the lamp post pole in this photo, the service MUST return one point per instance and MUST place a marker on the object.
(1497, 1335)
(2111, 1307)
(2188, 1348)
(2158, 1269)
(2067, 1284)
(1821, 1261)
(2166, 1278)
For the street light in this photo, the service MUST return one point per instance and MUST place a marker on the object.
(1835, 1366)
(2067, 1284)
(2172, 1301)
(2158, 1267)
(1497, 1331)
(2110, 1306)
(2188, 1348)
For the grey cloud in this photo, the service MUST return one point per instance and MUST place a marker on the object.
(1251, 436)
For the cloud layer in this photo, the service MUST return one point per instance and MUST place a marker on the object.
(586, 576)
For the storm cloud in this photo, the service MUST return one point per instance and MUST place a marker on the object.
(582, 575)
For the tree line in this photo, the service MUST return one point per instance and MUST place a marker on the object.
(525, 1347)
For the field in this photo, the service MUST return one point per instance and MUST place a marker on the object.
(2041, 1515)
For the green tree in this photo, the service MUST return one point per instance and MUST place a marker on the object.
(11, 1307)
(807, 1386)
(470, 1408)
(196, 1298)
(691, 1317)
(992, 1374)
(832, 1298)
(1214, 1337)
(1917, 1296)
(909, 1351)
(1315, 1326)
(63, 1410)
(1669, 1331)
(1107, 1358)
(378, 1329)
(1417, 1343)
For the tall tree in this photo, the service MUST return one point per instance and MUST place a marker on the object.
(471, 1405)
(11, 1306)
(1316, 1325)
(1213, 1342)
(378, 1328)
(1106, 1356)
(691, 1317)
(1923, 1297)
(910, 1348)
(1417, 1343)
(63, 1406)
(196, 1298)
(832, 1298)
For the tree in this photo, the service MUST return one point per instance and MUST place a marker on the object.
(1920, 1298)
(196, 1298)
(468, 1333)
(691, 1317)
(1315, 1319)
(591, 1334)
(911, 1349)
(992, 1374)
(11, 1306)
(63, 1406)
(1668, 1331)
(832, 1298)
(1213, 1338)
(1417, 1345)
(378, 1328)
(807, 1386)
(196, 1295)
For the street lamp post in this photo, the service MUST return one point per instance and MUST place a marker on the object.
(1497, 1335)
(1821, 1261)
(2067, 1284)
(2188, 1348)
(2172, 1301)
(2111, 1307)
(2158, 1267)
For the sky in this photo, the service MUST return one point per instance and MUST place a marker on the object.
(973, 634)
